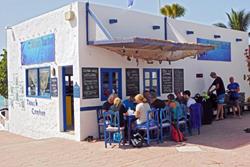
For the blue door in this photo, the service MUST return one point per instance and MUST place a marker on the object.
(111, 82)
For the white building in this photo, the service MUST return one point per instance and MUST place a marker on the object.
(62, 64)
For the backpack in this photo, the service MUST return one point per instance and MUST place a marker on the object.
(176, 134)
(137, 140)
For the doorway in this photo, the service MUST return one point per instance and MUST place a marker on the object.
(68, 99)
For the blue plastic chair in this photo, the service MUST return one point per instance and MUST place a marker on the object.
(195, 117)
(151, 125)
(100, 122)
(182, 117)
(113, 133)
(165, 122)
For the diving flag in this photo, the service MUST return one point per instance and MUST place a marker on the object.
(130, 3)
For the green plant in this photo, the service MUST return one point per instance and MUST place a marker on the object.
(175, 10)
(3, 75)
(237, 20)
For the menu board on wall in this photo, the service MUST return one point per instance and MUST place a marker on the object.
(178, 80)
(132, 81)
(54, 87)
(166, 80)
(90, 83)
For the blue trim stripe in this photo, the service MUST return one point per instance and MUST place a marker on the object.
(64, 99)
(87, 22)
(90, 108)
(165, 28)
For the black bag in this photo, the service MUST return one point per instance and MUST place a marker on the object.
(137, 140)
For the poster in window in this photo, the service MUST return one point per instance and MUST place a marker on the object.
(178, 80)
(32, 82)
(132, 81)
(44, 82)
(90, 83)
(167, 80)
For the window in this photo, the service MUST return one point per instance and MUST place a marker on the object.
(151, 80)
(38, 82)
(110, 82)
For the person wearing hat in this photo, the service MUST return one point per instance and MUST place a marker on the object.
(219, 87)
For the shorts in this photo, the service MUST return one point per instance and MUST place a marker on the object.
(220, 99)
(234, 102)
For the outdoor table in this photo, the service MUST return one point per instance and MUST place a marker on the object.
(130, 119)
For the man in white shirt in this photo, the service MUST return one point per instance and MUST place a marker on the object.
(186, 95)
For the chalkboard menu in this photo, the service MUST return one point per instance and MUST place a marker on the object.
(90, 83)
(54, 87)
(178, 80)
(132, 81)
(166, 80)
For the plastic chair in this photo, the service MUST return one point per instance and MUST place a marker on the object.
(151, 125)
(195, 116)
(182, 117)
(165, 122)
(100, 122)
(113, 133)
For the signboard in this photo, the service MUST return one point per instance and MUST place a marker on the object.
(38, 50)
(167, 80)
(90, 83)
(178, 80)
(76, 91)
(54, 87)
(222, 51)
(132, 81)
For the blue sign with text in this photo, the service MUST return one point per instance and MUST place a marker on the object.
(38, 50)
(222, 51)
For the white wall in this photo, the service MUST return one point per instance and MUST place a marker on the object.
(21, 120)
(131, 24)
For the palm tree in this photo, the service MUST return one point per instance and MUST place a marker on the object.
(175, 10)
(237, 20)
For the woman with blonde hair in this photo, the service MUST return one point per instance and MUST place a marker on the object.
(119, 107)
(141, 110)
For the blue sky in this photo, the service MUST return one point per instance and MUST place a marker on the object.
(200, 11)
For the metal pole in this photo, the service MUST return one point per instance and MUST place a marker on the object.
(159, 9)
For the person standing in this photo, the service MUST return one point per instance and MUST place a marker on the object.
(234, 89)
(220, 92)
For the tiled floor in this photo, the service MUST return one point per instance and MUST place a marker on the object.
(224, 143)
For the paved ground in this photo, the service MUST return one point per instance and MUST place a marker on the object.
(224, 143)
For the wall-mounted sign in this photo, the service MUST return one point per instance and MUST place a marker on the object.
(38, 50)
(90, 83)
(222, 51)
(167, 80)
(54, 87)
(178, 80)
(132, 81)
(76, 90)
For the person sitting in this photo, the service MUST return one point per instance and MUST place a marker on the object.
(130, 103)
(110, 101)
(155, 102)
(147, 96)
(141, 109)
(187, 97)
(174, 105)
(179, 97)
(234, 95)
(119, 107)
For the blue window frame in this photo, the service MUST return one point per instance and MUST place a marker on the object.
(151, 80)
(111, 82)
(38, 82)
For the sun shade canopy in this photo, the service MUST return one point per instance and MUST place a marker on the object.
(153, 49)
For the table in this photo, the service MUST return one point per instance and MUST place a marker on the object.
(129, 119)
